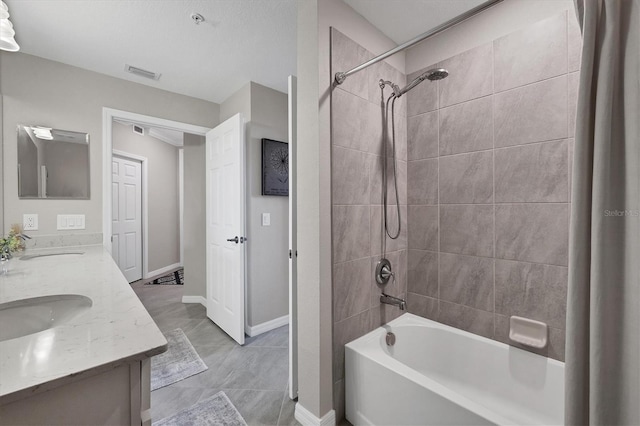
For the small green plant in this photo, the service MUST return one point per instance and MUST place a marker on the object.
(12, 243)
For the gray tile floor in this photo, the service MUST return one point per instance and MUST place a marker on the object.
(253, 376)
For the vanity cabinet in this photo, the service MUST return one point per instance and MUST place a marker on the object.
(93, 367)
(119, 396)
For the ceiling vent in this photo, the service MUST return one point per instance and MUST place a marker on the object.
(138, 129)
(141, 72)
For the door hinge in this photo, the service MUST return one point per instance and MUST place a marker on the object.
(289, 254)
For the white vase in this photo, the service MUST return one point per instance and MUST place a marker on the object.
(5, 266)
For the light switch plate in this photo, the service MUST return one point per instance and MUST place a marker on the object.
(70, 221)
(266, 219)
(29, 222)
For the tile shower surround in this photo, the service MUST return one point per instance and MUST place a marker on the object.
(484, 161)
(357, 232)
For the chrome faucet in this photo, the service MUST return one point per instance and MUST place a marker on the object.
(390, 300)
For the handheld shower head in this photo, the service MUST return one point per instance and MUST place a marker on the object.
(431, 75)
(437, 74)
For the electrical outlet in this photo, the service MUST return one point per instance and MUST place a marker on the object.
(30, 222)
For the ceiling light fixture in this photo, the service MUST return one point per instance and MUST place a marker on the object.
(7, 42)
(43, 132)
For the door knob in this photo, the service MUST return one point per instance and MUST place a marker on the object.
(233, 240)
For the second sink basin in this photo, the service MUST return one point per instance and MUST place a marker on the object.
(36, 256)
(27, 316)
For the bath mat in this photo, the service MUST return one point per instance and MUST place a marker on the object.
(217, 410)
(179, 361)
(172, 278)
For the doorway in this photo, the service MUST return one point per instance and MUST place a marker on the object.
(110, 224)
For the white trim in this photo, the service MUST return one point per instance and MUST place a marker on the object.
(163, 270)
(307, 418)
(266, 326)
(195, 299)
(292, 102)
(145, 207)
(108, 116)
(181, 201)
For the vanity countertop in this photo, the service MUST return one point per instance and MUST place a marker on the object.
(117, 329)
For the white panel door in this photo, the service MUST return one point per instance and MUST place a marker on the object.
(225, 212)
(126, 195)
(293, 246)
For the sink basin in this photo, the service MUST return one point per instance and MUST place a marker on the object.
(35, 256)
(28, 316)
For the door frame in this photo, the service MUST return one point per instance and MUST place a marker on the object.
(108, 116)
(145, 204)
(292, 103)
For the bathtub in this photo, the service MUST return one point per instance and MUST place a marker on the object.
(439, 375)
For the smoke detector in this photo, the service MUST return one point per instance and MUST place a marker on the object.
(142, 73)
(197, 18)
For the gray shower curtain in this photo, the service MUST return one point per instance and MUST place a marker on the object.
(603, 307)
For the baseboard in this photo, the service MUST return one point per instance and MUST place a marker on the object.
(266, 326)
(195, 299)
(163, 270)
(307, 418)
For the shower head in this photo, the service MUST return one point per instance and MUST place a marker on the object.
(437, 74)
(431, 75)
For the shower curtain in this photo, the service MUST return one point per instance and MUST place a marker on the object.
(603, 307)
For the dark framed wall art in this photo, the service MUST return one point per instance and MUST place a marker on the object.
(275, 168)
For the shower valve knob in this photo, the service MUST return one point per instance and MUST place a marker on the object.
(383, 271)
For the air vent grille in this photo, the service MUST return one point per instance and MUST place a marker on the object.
(138, 129)
(142, 73)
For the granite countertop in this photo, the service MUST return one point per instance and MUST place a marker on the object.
(117, 329)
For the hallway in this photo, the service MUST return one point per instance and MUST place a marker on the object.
(253, 376)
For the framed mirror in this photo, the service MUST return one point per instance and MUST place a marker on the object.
(52, 163)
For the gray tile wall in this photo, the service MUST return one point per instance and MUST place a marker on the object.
(483, 179)
(357, 222)
(489, 153)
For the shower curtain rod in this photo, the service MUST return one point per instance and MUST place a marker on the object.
(340, 77)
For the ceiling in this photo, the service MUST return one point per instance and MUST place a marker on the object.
(239, 41)
(402, 20)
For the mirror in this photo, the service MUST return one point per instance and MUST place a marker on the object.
(52, 163)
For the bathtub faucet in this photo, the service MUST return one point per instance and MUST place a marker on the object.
(390, 300)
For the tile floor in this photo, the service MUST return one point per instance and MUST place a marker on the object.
(253, 376)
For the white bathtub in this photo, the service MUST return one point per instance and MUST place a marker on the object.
(439, 375)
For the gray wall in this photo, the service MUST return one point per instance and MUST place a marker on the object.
(162, 189)
(268, 246)
(266, 113)
(39, 91)
(457, 131)
(194, 216)
(240, 101)
(488, 183)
